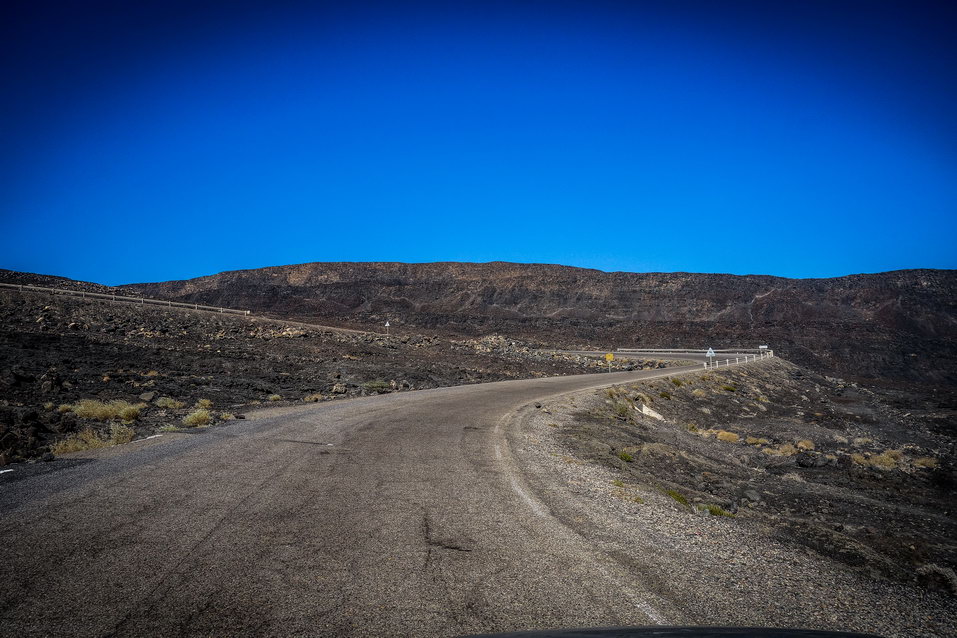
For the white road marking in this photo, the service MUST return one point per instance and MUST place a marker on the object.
(536, 507)
(5, 471)
(155, 436)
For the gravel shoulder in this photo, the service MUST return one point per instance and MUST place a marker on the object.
(756, 567)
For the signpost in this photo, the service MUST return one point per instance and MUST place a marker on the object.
(387, 327)
(710, 355)
(609, 358)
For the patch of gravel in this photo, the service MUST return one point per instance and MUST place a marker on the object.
(719, 570)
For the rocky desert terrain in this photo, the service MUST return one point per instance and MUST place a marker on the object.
(813, 495)
(162, 365)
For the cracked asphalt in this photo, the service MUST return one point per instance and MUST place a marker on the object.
(400, 514)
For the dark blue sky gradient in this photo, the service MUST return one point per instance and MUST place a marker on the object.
(151, 141)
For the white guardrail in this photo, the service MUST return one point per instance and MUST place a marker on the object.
(744, 354)
(142, 301)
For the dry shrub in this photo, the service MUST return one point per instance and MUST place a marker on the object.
(883, 461)
(312, 398)
(729, 437)
(805, 444)
(926, 461)
(753, 440)
(698, 392)
(89, 439)
(227, 416)
(120, 434)
(204, 404)
(100, 411)
(169, 403)
(782, 450)
(86, 439)
(274, 397)
(197, 418)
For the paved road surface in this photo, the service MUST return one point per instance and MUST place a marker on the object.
(400, 514)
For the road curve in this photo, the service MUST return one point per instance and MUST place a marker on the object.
(400, 514)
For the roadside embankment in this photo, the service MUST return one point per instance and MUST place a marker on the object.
(763, 494)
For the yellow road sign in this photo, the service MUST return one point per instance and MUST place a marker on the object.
(609, 357)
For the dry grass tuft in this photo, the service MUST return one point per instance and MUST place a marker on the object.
(699, 393)
(753, 440)
(886, 460)
(312, 398)
(169, 403)
(805, 444)
(274, 397)
(728, 437)
(678, 497)
(101, 411)
(90, 439)
(926, 461)
(782, 450)
(204, 404)
(198, 418)
(716, 510)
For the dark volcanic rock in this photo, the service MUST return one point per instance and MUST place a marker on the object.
(900, 324)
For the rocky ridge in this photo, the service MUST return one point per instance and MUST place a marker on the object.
(899, 326)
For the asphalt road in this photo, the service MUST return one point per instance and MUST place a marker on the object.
(400, 514)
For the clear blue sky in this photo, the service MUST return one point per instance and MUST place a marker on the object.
(146, 141)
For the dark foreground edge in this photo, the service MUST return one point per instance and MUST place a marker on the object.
(675, 632)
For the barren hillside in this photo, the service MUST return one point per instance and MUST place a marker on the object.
(899, 325)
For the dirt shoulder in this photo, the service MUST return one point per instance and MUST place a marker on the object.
(763, 495)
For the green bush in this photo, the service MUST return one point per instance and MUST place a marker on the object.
(624, 456)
